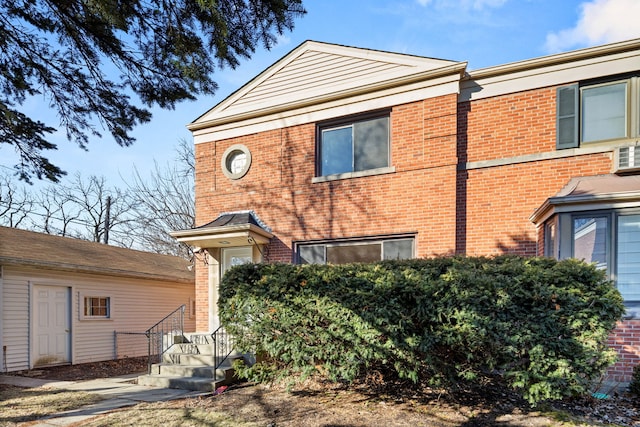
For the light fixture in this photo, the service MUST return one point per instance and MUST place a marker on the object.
(224, 242)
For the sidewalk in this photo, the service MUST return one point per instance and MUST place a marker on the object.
(118, 392)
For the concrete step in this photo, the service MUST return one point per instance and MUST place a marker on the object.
(189, 359)
(197, 378)
(198, 338)
(183, 383)
(191, 348)
(188, 371)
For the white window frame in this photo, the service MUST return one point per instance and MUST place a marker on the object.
(84, 308)
(570, 114)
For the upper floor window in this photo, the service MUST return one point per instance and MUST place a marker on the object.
(605, 111)
(352, 146)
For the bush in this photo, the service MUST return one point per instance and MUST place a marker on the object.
(539, 323)
(634, 385)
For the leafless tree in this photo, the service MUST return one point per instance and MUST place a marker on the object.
(55, 214)
(16, 204)
(163, 203)
(83, 208)
(140, 216)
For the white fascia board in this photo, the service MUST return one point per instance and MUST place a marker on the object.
(422, 64)
(551, 71)
(337, 108)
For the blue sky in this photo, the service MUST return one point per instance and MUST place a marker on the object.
(483, 32)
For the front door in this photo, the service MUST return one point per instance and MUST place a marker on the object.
(51, 325)
(236, 256)
(228, 258)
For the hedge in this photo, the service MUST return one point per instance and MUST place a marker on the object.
(539, 323)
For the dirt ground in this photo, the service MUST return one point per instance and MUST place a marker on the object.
(372, 403)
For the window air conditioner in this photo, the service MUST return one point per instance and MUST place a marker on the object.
(627, 159)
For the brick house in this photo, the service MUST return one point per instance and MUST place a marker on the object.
(340, 154)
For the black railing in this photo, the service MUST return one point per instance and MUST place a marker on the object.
(223, 345)
(164, 334)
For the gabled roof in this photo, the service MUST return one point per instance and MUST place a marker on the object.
(31, 249)
(315, 73)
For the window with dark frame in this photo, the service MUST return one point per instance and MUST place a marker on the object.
(354, 145)
(355, 251)
(611, 240)
(598, 111)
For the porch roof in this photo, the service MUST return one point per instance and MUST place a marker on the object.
(591, 192)
(227, 230)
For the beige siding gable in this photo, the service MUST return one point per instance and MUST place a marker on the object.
(314, 73)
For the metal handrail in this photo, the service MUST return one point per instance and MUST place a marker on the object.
(161, 336)
(223, 345)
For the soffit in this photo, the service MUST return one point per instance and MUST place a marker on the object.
(227, 230)
(315, 73)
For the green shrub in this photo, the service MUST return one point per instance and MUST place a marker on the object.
(634, 385)
(539, 323)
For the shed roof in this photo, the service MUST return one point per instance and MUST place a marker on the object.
(28, 248)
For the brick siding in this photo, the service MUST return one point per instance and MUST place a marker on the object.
(477, 211)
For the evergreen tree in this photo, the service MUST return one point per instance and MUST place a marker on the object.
(88, 57)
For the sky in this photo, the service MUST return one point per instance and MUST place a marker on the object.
(484, 33)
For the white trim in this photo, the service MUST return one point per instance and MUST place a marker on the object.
(82, 305)
(256, 123)
(245, 168)
(552, 70)
(357, 174)
(549, 155)
(406, 69)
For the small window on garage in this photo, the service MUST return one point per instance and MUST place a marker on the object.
(97, 307)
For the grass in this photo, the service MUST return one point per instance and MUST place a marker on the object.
(19, 405)
(162, 414)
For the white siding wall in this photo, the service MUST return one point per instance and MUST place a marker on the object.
(135, 306)
(15, 322)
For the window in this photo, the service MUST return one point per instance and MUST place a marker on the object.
(628, 257)
(236, 161)
(593, 112)
(353, 146)
(98, 307)
(611, 240)
(351, 251)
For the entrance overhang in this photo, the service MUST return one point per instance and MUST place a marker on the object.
(223, 237)
(227, 230)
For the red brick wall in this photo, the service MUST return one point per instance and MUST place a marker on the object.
(480, 211)
(626, 341)
(279, 188)
(500, 200)
(508, 126)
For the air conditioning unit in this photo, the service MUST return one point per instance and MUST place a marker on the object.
(627, 159)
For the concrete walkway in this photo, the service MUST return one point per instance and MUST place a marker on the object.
(118, 393)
